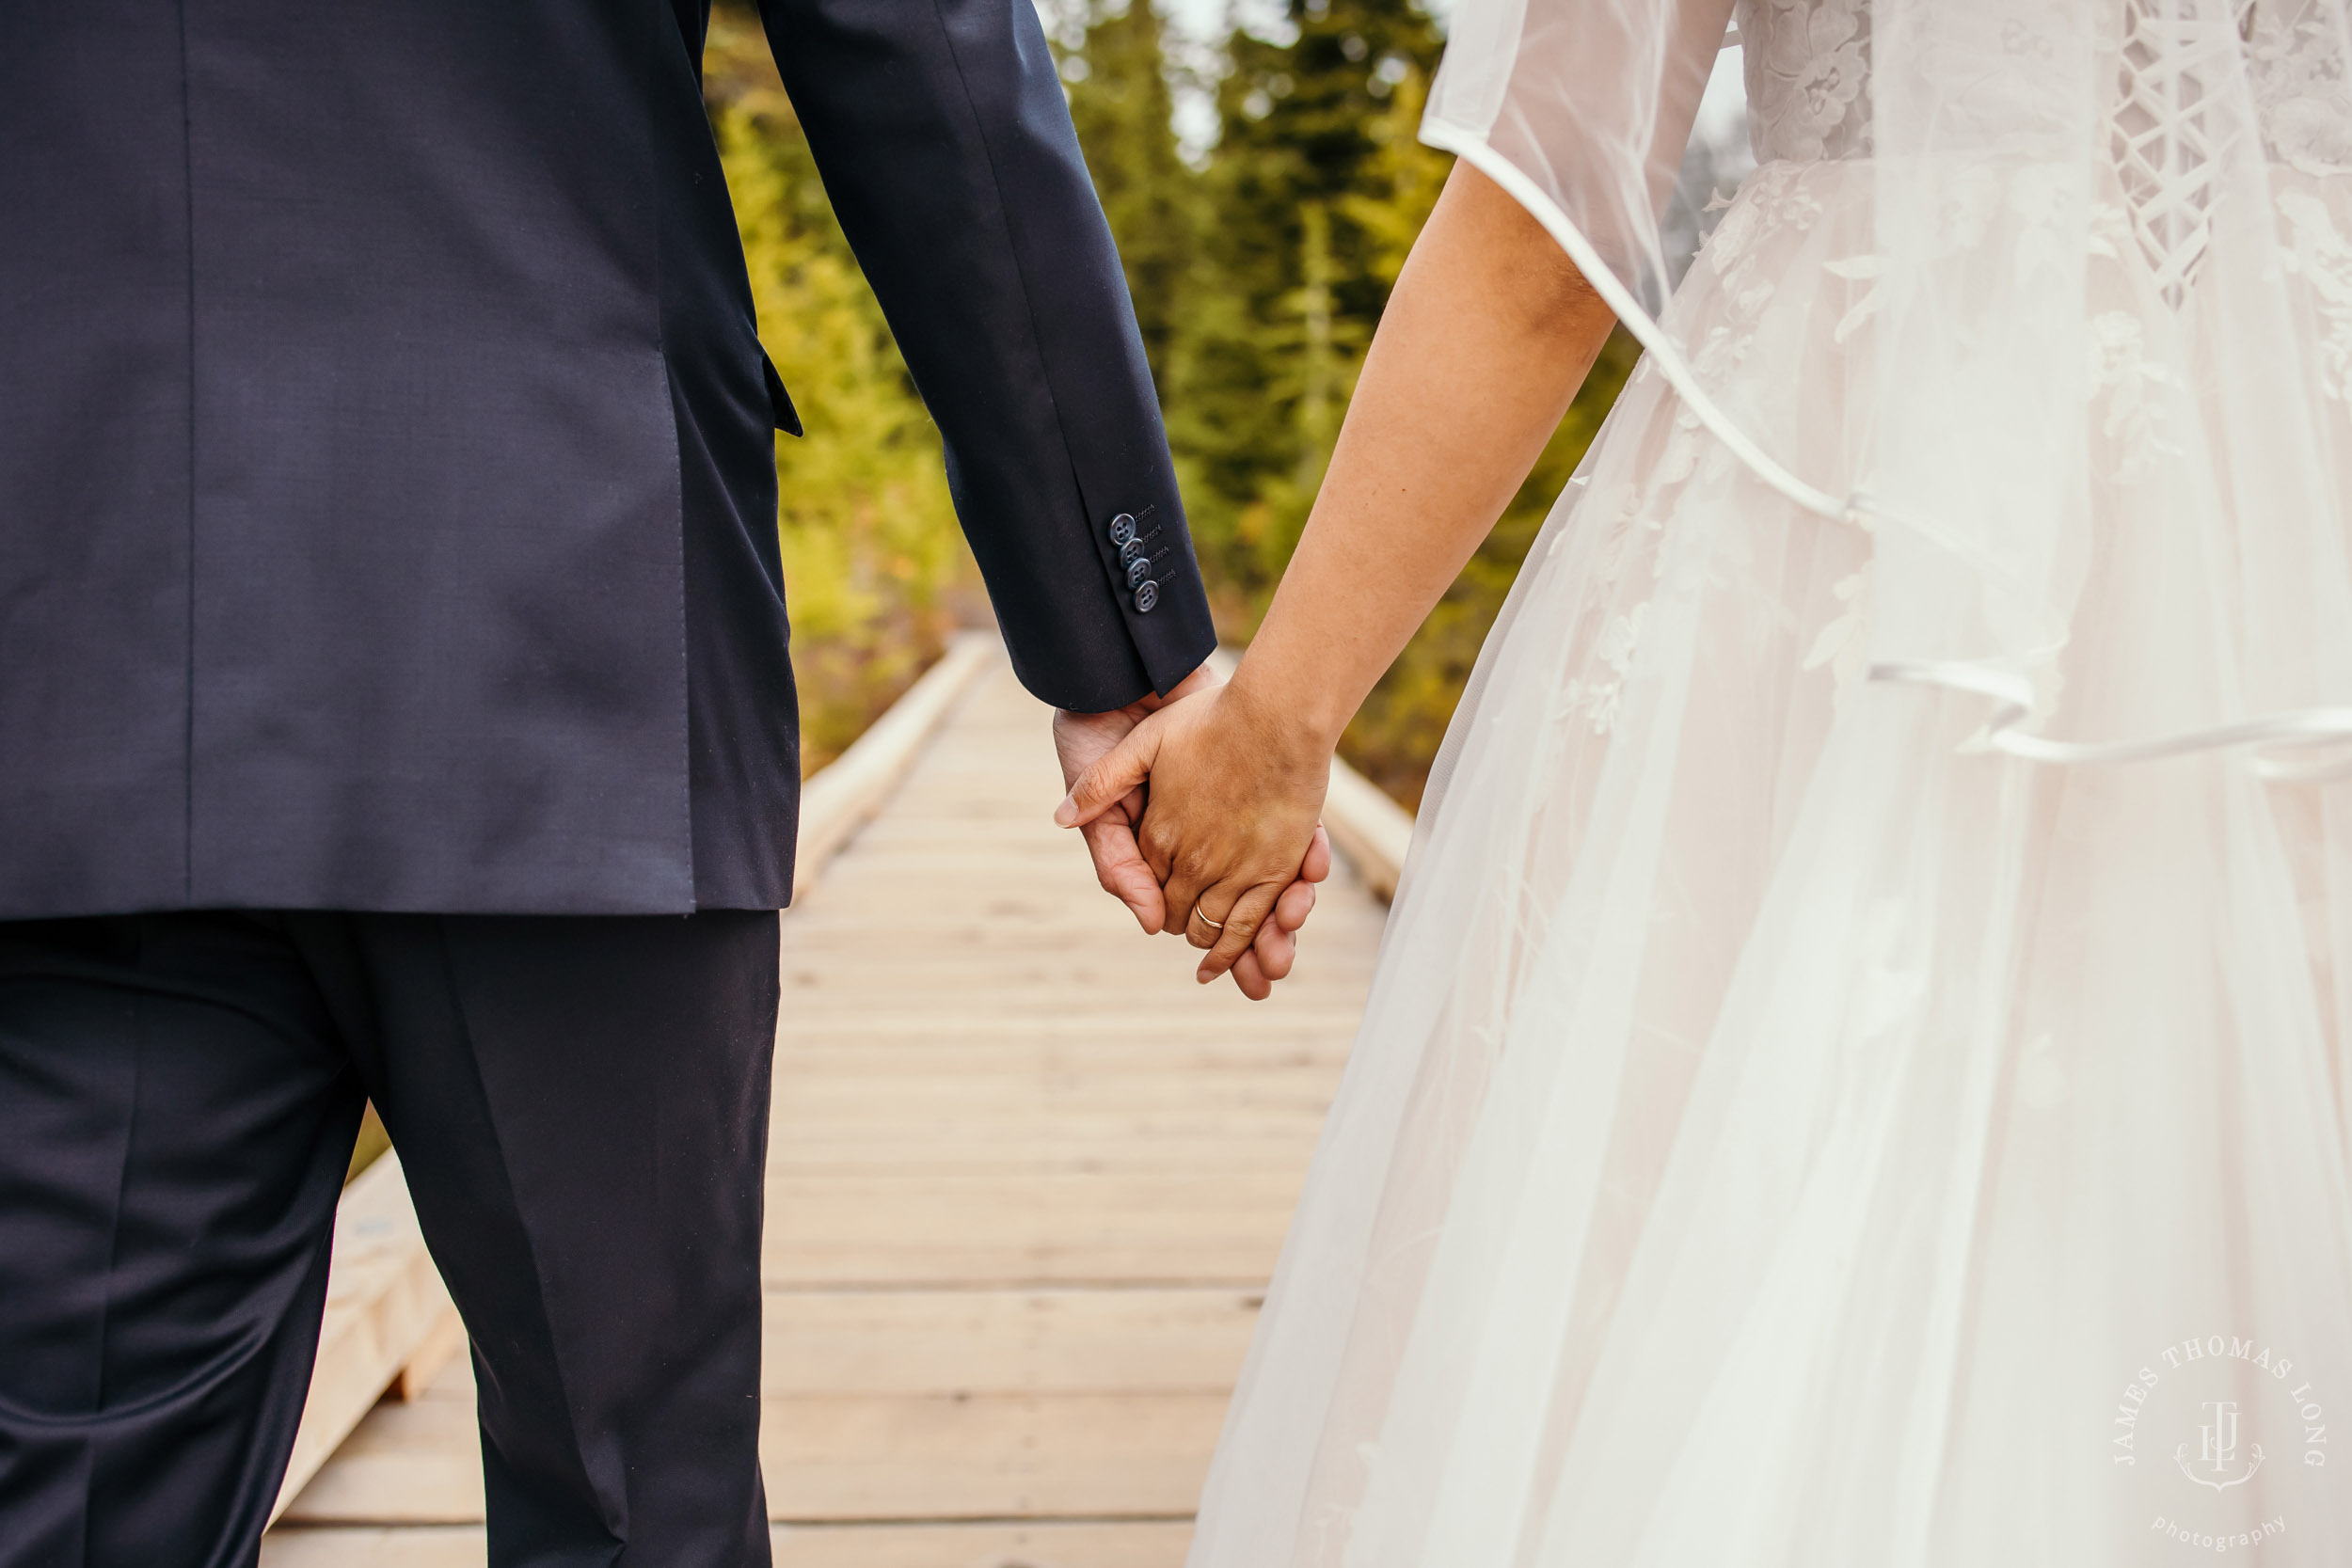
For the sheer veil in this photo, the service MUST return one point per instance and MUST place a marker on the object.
(1867, 1006)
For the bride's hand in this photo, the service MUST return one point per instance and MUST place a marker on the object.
(1231, 819)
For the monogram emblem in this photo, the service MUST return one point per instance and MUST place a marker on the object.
(2218, 1454)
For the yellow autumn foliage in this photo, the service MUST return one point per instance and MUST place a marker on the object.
(876, 571)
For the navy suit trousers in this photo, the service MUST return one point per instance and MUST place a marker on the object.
(581, 1105)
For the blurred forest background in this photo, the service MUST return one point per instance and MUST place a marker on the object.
(1261, 249)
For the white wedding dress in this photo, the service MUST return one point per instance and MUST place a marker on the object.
(1858, 1071)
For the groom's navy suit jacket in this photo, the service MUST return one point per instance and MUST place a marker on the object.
(386, 481)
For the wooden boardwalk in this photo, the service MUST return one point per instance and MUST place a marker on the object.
(1025, 1183)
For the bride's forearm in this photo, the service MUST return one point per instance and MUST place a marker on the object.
(1487, 337)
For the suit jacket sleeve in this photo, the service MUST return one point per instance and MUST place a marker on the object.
(946, 148)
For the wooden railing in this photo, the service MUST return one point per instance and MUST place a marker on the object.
(390, 1324)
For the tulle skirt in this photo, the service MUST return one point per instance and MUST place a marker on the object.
(1784, 1133)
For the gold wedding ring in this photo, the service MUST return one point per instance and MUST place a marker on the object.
(1211, 925)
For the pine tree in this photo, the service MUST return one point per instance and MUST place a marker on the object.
(1310, 186)
(1116, 77)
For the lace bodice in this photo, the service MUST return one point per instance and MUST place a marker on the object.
(1808, 64)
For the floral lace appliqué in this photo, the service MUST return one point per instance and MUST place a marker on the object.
(1596, 696)
(1807, 63)
(1844, 644)
(1774, 200)
(2300, 92)
(2133, 385)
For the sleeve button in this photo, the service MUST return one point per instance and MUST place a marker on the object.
(1129, 551)
(1122, 528)
(1147, 597)
(1138, 570)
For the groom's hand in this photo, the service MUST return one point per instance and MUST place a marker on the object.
(1081, 739)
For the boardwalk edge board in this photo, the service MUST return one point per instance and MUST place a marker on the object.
(841, 798)
(389, 1326)
(1370, 830)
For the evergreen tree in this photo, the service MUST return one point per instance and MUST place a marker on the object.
(1117, 76)
(1308, 187)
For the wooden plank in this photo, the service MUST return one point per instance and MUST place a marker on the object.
(813, 978)
(1155, 962)
(1338, 935)
(1006, 1342)
(988, 1456)
(876, 1085)
(1080, 1019)
(919, 1022)
(1014, 894)
(384, 1306)
(418, 1462)
(1072, 1103)
(1233, 1265)
(376, 1546)
(1077, 1103)
(1108, 1003)
(860, 1228)
(1270, 1144)
(1024, 1204)
(1370, 830)
(443, 1345)
(1144, 1543)
(917, 1095)
(1137, 1153)
(1054, 950)
(1339, 962)
(861, 1457)
(1070, 1127)
(895, 1039)
(839, 799)
(1151, 1162)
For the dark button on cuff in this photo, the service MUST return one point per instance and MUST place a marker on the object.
(1138, 570)
(1122, 529)
(1146, 599)
(1129, 551)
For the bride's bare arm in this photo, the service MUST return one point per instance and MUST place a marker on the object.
(1487, 337)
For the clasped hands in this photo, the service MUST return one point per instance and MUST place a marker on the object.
(1201, 815)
